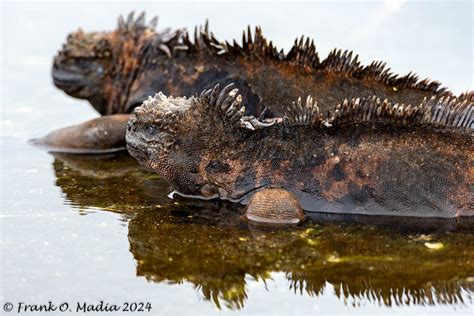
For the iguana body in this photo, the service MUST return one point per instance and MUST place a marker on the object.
(116, 71)
(366, 156)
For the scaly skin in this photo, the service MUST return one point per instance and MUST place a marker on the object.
(366, 157)
(116, 71)
(134, 61)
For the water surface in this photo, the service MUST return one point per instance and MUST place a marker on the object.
(88, 228)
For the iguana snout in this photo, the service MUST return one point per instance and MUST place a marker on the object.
(82, 66)
(156, 137)
(102, 67)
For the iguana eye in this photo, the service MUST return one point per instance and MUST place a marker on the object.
(150, 130)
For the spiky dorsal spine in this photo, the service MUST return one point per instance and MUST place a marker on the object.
(307, 114)
(166, 40)
(132, 25)
(303, 53)
(438, 112)
(253, 44)
(467, 95)
(378, 70)
(444, 112)
(342, 62)
(203, 41)
(227, 104)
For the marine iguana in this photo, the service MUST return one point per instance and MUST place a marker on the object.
(116, 71)
(367, 156)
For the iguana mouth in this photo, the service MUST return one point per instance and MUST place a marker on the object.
(67, 79)
(221, 194)
(137, 149)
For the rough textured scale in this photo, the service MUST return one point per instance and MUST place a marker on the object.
(117, 70)
(367, 156)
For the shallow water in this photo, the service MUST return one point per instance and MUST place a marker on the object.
(89, 228)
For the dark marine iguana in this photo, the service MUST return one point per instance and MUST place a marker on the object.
(116, 71)
(367, 156)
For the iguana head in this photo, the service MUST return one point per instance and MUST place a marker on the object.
(83, 67)
(101, 67)
(190, 141)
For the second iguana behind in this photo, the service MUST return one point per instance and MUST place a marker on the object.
(117, 70)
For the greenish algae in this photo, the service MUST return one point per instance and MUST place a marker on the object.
(206, 244)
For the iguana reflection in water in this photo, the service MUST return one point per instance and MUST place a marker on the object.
(207, 246)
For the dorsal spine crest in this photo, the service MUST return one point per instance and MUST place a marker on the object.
(437, 112)
(302, 53)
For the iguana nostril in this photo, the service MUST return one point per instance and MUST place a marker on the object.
(150, 130)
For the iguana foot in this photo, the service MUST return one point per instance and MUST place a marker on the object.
(274, 206)
(100, 135)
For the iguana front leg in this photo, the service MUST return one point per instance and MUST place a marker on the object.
(100, 135)
(274, 207)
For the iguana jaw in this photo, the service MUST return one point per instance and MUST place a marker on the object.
(69, 81)
(84, 66)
